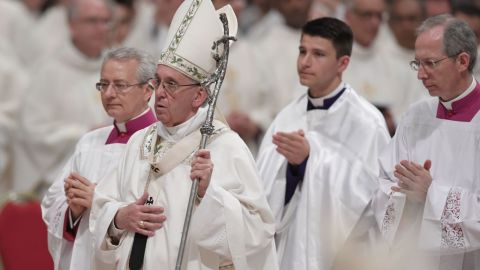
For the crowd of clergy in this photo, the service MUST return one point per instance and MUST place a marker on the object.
(348, 172)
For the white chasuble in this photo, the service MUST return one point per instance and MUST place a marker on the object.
(231, 226)
(339, 178)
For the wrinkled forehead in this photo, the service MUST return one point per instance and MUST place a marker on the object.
(167, 72)
(430, 42)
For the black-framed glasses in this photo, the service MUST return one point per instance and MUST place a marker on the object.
(170, 86)
(429, 63)
(119, 87)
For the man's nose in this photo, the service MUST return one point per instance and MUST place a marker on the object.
(110, 91)
(421, 72)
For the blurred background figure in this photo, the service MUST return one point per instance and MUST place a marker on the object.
(124, 14)
(13, 80)
(264, 70)
(278, 59)
(16, 22)
(470, 13)
(405, 16)
(150, 26)
(326, 8)
(62, 103)
(49, 32)
(435, 7)
(257, 18)
(243, 98)
(368, 72)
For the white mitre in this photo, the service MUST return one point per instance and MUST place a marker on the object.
(192, 33)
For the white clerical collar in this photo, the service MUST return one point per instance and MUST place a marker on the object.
(318, 102)
(122, 127)
(448, 104)
(178, 132)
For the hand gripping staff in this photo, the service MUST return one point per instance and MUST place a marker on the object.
(207, 128)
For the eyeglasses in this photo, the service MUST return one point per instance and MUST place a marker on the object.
(428, 64)
(170, 86)
(119, 87)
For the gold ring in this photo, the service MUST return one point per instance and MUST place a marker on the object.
(141, 224)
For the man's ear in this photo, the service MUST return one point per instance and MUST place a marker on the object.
(343, 63)
(463, 61)
(148, 91)
(199, 98)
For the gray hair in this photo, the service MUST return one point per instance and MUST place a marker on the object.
(458, 37)
(147, 66)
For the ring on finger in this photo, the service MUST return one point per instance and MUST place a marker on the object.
(141, 224)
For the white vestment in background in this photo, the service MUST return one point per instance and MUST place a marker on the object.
(447, 227)
(369, 74)
(408, 88)
(232, 223)
(146, 34)
(93, 159)
(277, 54)
(16, 22)
(339, 180)
(13, 81)
(49, 34)
(245, 90)
(62, 104)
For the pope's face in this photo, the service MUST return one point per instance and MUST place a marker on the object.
(175, 107)
(318, 66)
(131, 102)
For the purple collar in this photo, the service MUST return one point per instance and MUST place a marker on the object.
(132, 126)
(463, 110)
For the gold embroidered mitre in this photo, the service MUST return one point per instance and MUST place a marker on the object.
(194, 28)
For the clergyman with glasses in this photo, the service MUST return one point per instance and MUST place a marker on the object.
(138, 212)
(428, 204)
(125, 87)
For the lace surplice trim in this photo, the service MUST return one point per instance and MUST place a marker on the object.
(388, 219)
(452, 232)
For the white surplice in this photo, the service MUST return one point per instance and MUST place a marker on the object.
(62, 104)
(447, 227)
(92, 159)
(232, 222)
(339, 181)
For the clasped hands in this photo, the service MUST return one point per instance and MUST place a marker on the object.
(414, 179)
(79, 192)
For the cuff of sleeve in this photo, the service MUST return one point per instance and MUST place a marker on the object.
(114, 233)
(70, 227)
(435, 201)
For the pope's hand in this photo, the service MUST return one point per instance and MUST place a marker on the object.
(140, 218)
(202, 168)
